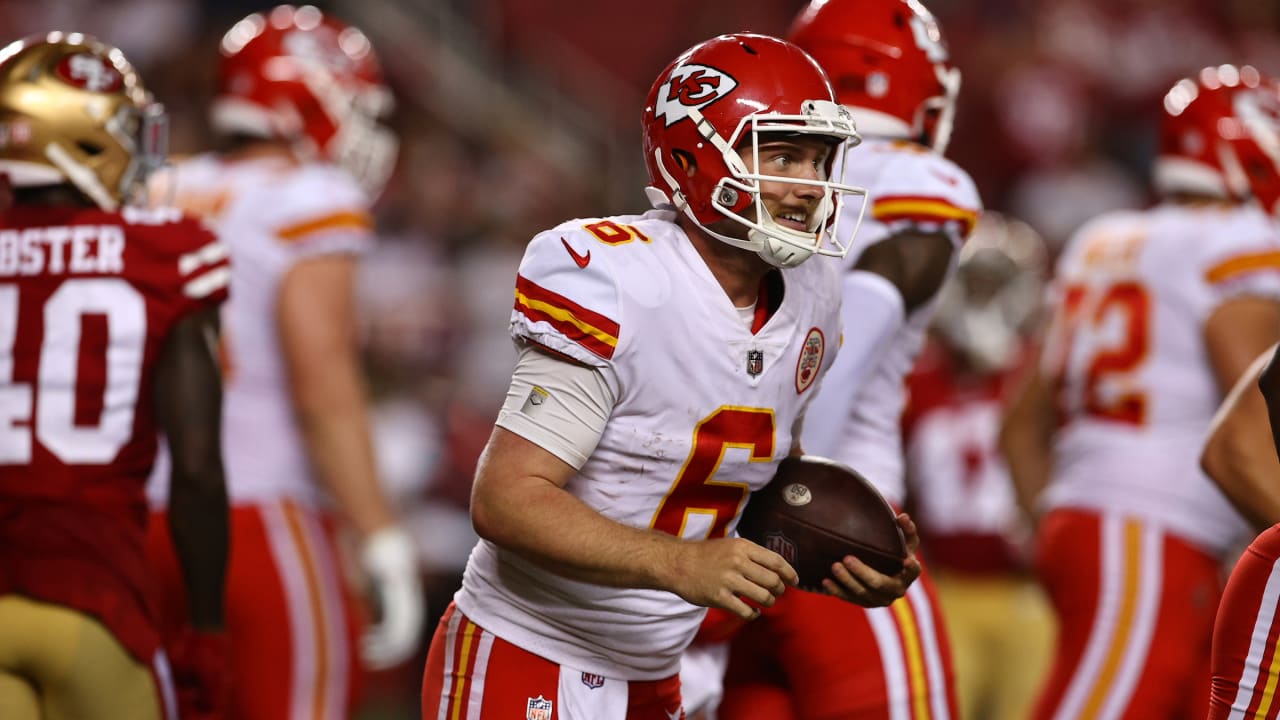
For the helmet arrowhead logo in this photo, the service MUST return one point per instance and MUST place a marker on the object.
(691, 86)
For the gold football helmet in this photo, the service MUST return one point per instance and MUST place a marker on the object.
(73, 110)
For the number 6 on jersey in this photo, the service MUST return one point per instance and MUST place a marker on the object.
(695, 490)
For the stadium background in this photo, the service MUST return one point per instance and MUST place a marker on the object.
(514, 115)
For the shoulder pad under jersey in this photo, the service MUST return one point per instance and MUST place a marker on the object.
(927, 190)
(566, 298)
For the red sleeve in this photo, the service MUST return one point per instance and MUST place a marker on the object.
(185, 261)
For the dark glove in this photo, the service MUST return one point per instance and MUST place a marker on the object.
(201, 674)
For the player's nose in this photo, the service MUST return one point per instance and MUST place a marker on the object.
(808, 191)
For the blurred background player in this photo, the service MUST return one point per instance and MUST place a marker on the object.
(107, 319)
(816, 657)
(1241, 456)
(608, 493)
(959, 490)
(299, 96)
(1157, 313)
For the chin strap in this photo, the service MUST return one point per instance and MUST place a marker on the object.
(80, 176)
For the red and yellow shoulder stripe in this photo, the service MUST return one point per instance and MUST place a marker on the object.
(1243, 265)
(593, 331)
(344, 220)
(893, 208)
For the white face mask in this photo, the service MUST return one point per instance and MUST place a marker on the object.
(778, 245)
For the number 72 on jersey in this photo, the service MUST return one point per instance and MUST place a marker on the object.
(1098, 345)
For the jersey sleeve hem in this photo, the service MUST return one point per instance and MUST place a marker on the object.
(931, 214)
(547, 318)
(539, 435)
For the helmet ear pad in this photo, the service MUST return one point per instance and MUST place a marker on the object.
(685, 161)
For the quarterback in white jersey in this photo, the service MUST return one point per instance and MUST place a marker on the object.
(891, 71)
(700, 403)
(666, 363)
(1157, 313)
(295, 435)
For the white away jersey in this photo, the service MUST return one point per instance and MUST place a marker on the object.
(704, 412)
(1126, 356)
(909, 187)
(271, 214)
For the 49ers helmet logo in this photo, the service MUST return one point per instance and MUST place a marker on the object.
(89, 72)
(691, 86)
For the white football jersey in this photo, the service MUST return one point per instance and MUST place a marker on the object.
(704, 412)
(1126, 357)
(909, 187)
(271, 214)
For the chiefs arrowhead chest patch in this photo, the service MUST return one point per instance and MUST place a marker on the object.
(810, 360)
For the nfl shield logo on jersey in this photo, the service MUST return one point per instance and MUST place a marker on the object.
(539, 708)
(592, 680)
(755, 362)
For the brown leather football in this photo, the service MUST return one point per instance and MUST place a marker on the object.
(815, 511)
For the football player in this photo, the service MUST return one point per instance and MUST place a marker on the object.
(107, 318)
(1157, 314)
(971, 525)
(1241, 456)
(298, 99)
(666, 360)
(890, 69)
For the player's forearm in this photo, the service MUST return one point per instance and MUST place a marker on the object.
(1239, 455)
(198, 523)
(544, 523)
(188, 392)
(318, 338)
(335, 427)
(1245, 468)
(1029, 468)
(1025, 442)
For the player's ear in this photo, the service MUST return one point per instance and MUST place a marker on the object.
(686, 162)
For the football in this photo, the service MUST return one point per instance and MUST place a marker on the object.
(815, 511)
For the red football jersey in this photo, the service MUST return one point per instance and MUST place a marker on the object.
(87, 300)
(962, 496)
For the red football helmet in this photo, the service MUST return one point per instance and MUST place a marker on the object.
(888, 63)
(299, 75)
(1256, 151)
(1195, 132)
(717, 97)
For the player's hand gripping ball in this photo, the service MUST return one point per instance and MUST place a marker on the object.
(815, 512)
